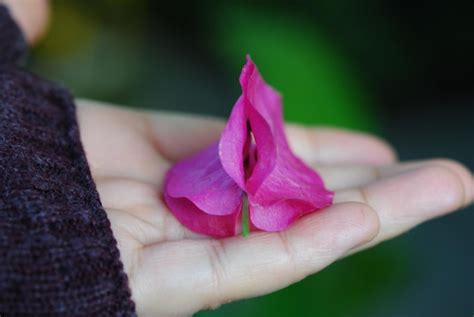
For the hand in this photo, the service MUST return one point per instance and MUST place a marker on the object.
(30, 15)
(173, 271)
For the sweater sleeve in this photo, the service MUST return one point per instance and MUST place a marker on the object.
(58, 256)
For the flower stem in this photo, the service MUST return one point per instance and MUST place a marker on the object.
(245, 219)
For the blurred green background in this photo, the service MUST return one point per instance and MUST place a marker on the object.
(403, 70)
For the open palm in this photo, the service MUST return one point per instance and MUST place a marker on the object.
(175, 272)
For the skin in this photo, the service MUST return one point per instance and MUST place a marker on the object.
(174, 272)
(31, 16)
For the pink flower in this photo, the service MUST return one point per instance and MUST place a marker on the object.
(205, 192)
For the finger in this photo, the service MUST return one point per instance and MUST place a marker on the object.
(462, 172)
(193, 274)
(344, 176)
(31, 16)
(181, 135)
(408, 199)
(338, 146)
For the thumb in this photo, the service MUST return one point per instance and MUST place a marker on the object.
(31, 16)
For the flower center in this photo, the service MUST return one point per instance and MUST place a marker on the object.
(250, 152)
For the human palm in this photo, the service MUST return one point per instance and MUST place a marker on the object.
(175, 272)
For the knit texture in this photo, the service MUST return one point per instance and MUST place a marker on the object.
(58, 256)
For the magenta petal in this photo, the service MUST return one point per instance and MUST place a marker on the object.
(278, 216)
(198, 221)
(265, 149)
(290, 189)
(201, 194)
(203, 181)
(289, 192)
(233, 142)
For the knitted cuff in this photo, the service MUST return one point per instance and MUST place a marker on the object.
(57, 252)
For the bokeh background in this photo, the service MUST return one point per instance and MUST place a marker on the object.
(401, 69)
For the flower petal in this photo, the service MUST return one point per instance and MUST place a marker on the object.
(198, 221)
(235, 146)
(201, 194)
(289, 192)
(203, 181)
(281, 188)
(233, 143)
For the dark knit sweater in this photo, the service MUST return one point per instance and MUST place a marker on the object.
(58, 256)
